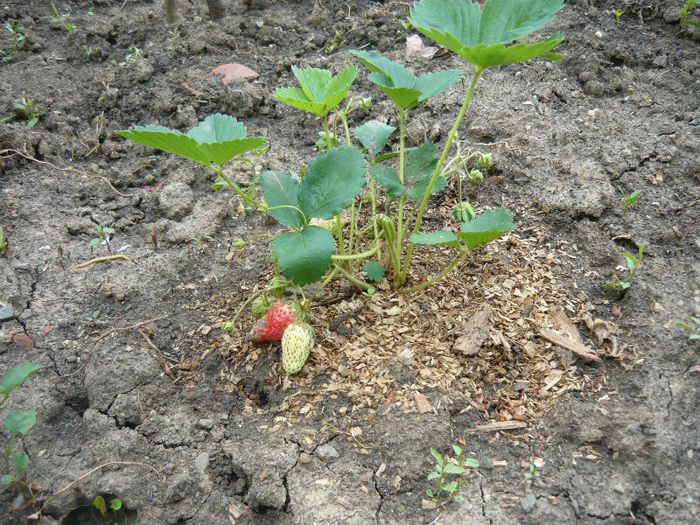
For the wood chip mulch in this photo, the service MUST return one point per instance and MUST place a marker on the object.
(521, 350)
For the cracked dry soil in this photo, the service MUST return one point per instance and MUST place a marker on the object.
(620, 110)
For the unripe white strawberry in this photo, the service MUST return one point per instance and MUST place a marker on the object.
(297, 341)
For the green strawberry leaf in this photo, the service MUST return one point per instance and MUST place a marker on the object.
(400, 84)
(304, 257)
(420, 164)
(486, 227)
(444, 237)
(374, 271)
(331, 183)
(388, 178)
(281, 189)
(320, 91)
(480, 35)
(374, 135)
(217, 139)
(8, 478)
(19, 421)
(14, 377)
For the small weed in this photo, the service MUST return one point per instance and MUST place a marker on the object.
(61, 19)
(629, 199)
(26, 109)
(3, 242)
(114, 505)
(174, 35)
(618, 14)
(16, 421)
(87, 51)
(335, 43)
(133, 55)
(445, 468)
(14, 39)
(532, 474)
(93, 316)
(686, 11)
(633, 264)
(694, 330)
(103, 237)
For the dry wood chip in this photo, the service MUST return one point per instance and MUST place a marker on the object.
(422, 403)
(497, 426)
(475, 332)
(577, 348)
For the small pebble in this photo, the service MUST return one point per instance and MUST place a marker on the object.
(695, 122)
(528, 502)
(7, 313)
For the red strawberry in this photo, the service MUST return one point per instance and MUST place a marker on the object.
(270, 326)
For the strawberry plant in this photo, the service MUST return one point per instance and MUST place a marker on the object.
(16, 422)
(326, 234)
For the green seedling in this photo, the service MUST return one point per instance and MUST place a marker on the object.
(173, 35)
(618, 14)
(132, 55)
(633, 264)
(26, 109)
(629, 199)
(14, 40)
(87, 51)
(103, 237)
(687, 11)
(3, 242)
(114, 505)
(446, 470)
(16, 422)
(694, 329)
(61, 18)
(335, 43)
(93, 316)
(337, 183)
(532, 474)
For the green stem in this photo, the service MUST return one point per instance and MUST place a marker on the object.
(341, 242)
(291, 207)
(324, 120)
(235, 187)
(437, 277)
(328, 279)
(357, 256)
(402, 199)
(352, 278)
(450, 138)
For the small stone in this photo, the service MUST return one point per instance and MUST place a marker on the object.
(6, 313)
(594, 87)
(304, 458)
(23, 341)
(206, 423)
(528, 502)
(326, 452)
(521, 385)
(201, 462)
(695, 122)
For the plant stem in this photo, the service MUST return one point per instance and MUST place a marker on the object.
(450, 138)
(352, 278)
(235, 187)
(402, 198)
(437, 277)
(357, 256)
(324, 283)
